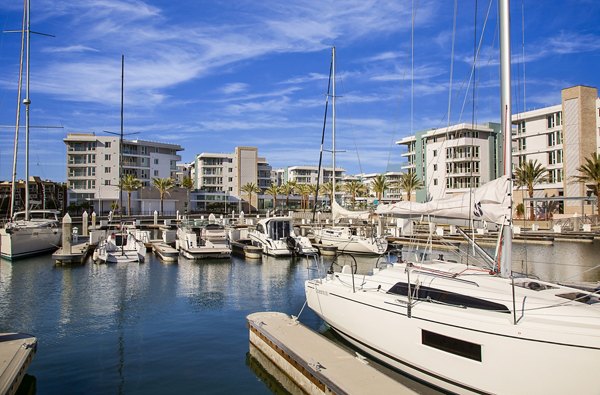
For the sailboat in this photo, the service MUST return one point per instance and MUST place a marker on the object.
(123, 244)
(347, 239)
(467, 329)
(29, 232)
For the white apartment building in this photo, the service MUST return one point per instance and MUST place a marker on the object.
(453, 159)
(94, 167)
(310, 174)
(392, 193)
(220, 177)
(560, 137)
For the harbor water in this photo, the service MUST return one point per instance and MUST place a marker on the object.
(157, 328)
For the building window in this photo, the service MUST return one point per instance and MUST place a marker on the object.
(521, 127)
(522, 144)
(155, 173)
(554, 119)
(434, 167)
(106, 156)
(106, 182)
(107, 169)
(107, 144)
(434, 152)
(435, 181)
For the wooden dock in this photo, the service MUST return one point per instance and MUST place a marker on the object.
(314, 363)
(16, 352)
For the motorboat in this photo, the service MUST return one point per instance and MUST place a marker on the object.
(276, 237)
(351, 239)
(197, 239)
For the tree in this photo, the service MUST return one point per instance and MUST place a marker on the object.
(288, 189)
(590, 176)
(354, 188)
(304, 190)
(249, 189)
(528, 175)
(409, 182)
(380, 185)
(130, 183)
(328, 190)
(163, 185)
(188, 184)
(273, 190)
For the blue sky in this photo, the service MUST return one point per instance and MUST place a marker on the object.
(211, 75)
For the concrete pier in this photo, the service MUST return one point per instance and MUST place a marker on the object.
(16, 352)
(313, 362)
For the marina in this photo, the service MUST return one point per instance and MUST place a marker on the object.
(157, 327)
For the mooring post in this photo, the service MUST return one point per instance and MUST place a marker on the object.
(66, 233)
(84, 226)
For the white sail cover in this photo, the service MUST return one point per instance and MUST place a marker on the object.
(490, 202)
(338, 212)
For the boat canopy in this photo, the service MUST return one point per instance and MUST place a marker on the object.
(490, 202)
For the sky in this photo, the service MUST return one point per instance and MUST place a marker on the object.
(213, 75)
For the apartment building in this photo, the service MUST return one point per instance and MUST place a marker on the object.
(43, 194)
(311, 174)
(453, 159)
(559, 137)
(220, 177)
(95, 166)
(392, 193)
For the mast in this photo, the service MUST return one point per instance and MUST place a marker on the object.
(18, 120)
(506, 126)
(333, 121)
(27, 102)
(121, 141)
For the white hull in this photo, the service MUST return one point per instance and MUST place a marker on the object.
(551, 350)
(208, 242)
(270, 247)
(349, 243)
(28, 241)
(110, 250)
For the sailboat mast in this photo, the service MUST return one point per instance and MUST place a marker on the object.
(27, 102)
(121, 140)
(333, 120)
(18, 120)
(506, 126)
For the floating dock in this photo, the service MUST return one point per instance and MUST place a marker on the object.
(75, 253)
(314, 363)
(165, 252)
(16, 352)
(244, 248)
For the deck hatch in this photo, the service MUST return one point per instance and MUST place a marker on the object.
(452, 345)
(430, 294)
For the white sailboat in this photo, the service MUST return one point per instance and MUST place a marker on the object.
(29, 232)
(348, 239)
(469, 329)
(121, 246)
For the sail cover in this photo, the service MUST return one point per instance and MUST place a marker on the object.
(340, 212)
(491, 202)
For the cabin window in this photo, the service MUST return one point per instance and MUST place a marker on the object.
(430, 294)
(581, 297)
(452, 345)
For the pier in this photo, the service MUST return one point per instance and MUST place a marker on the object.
(313, 362)
(16, 353)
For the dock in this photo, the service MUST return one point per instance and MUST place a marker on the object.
(314, 363)
(16, 353)
(164, 251)
(75, 253)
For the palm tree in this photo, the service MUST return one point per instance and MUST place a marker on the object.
(304, 190)
(354, 188)
(327, 189)
(163, 185)
(409, 182)
(288, 189)
(188, 184)
(249, 189)
(380, 185)
(273, 190)
(590, 176)
(529, 174)
(129, 184)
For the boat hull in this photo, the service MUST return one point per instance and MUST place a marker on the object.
(352, 244)
(403, 340)
(27, 242)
